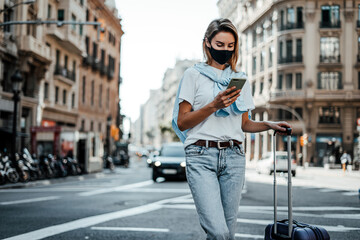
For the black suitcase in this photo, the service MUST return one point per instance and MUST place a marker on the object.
(289, 228)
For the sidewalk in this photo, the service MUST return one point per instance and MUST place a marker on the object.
(314, 177)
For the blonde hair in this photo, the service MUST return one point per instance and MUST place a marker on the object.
(216, 26)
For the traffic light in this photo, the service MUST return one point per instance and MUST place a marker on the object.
(304, 140)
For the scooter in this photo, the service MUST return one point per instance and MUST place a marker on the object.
(10, 172)
(2, 172)
(24, 172)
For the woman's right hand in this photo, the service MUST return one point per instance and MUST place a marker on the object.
(224, 99)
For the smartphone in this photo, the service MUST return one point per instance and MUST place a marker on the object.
(237, 82)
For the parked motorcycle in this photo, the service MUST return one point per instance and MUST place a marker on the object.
(45, 167)
(33, 164)
(23, 170)
(10, 172)
(2, 172)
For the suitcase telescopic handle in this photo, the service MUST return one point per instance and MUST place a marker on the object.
(288, 133)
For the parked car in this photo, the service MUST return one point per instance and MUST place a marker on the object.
(170, 163)
(266, 163)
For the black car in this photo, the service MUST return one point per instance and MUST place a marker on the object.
(170, 163)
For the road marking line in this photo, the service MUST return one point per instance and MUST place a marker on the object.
(339, 228)
(131, 229)
(93, 220)
(324, 190)
(350, 193)
(116, 189)
(243, 235)
(252, 209)
(157, 190)
(30, 200)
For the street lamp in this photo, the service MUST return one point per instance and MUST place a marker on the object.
(16, 80)
(17, 4)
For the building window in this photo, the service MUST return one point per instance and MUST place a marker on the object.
(99, 127)
(281, 50)
(282, 20)
(61, 15)
(261, 86)
(49, 12)
(46, 90)
(262, 61)
(87, 43)
(82, 2)
(329, 115)
(280, 81)
(82, 125)
(8, 16)
(91, 126)
(107, 98)
(73, 100)
(95, 50)
(56, 94)
(299, 15)
(289, 81)
(271, 54)
(330, 16)
(57, 60)
(95, 20)
(83, 88)
(81, 31)
(73, 18)
(329, 49)
(359, 80)
(290, 16)
(329, 80)
(87, 15)
(100, 95)
(298, 81)
(254, 66)
(254, 38)
(92, 92)
(253, 88)
(299, 111)
(298, 48)
(66, 62)
(74, 70)
(289, 50)
(64, 96)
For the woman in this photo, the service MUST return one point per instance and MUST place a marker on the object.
(211, 121)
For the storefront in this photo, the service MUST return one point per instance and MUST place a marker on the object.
(328, 149)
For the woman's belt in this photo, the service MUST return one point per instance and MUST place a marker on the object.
(217, 144)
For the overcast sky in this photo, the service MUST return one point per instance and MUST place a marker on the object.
(157, 32)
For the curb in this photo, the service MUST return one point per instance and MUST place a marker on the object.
(47, 182)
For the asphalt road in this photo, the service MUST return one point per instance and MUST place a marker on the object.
(128, 205)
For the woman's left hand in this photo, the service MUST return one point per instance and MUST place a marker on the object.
(279, 126)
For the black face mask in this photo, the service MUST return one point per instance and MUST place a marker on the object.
(220, 56)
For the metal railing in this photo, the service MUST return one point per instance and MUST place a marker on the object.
(291, 59)
(335, 24)
(289, 26)
(59, 70)
(330, 59)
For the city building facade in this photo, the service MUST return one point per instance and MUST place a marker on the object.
(301, 58)
(55, 114)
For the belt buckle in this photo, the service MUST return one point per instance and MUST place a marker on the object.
(218, 145)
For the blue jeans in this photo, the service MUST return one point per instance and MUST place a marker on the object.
(216, 179)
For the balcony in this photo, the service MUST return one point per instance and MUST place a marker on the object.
(280, 95)
(330, 59)
(103, 69)
(35, 48)
(87, 61)
(95, 65)
(335, 24)
(64, 74)
(290, 26)
(110, 73)
(291, 59)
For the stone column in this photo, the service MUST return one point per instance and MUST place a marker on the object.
(349, 53)
(257, 140)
